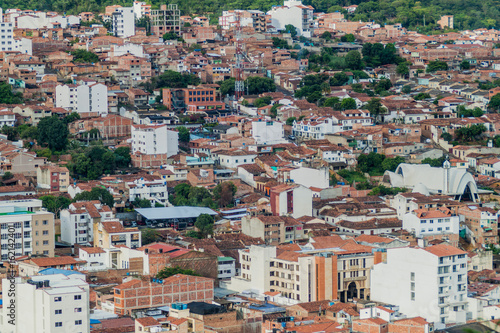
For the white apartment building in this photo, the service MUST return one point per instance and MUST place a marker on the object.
(268, 132)
(7, 41)
(314, 128)
(123, 22)
(154, 140)
(77, 222)
(254, 272)
(431, 222)
(155, 191)
(33, 232)
(234, 158)
(226, 267)
(92, 98)
(229, 19)
(295, 13)
(46, 303)
(30, 205)
(309, 177)
(429, 282)
(7, 118)
(141, 9)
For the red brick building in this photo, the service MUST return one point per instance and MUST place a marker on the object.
(191, 100)
(140, 294)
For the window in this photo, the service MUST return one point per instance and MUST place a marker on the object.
(78, 322)
(59, 311)
(412, 296)
(45, 232)
(45, 222)
(412, 276)
(59, 324)
(78, 297)
(26, 224)
(57, 299)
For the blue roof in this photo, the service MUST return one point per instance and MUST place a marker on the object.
(94, 321)
(51, 271)
(160, 213)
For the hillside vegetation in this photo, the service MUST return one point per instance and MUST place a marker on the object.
(411, 13)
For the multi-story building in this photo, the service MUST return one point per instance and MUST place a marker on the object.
(273, 230)
(165, 19)
(153, 144)
(46, 303)
(295, 13)
(226, 267)
(292, 200)
(155, 191)
(267, 132)
(77, 222)
(53, 178)
(123, 22)
(191, 99)
(33, 232)
(482, 221)
(248, 18)
(314, 128)
(7, 40)
(139, 294)
(425, 222)
(109, 234)
(429, 282)
(141, 9)
(89, 100)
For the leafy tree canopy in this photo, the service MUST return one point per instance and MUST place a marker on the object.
(171, 271)
(84, 56)
(53, 132)
(97, 193)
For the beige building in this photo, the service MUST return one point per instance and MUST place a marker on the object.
(33, 232)
(53, 178)
(273, 230)
(109, 234)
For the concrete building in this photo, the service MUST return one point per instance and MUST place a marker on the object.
(197, 99)
(254, 272)
(46, 303)
(77, 222)
(226, 267)
(165, 19)
(273, 230)
(89, 100)
(482, 222)
(425, 222)
(429, 282)
(309, 177)
(33, 232)
(109, 234)
(155, 191)
(7, 40)
(154, 140)
(138, 294)
(267, 132)
(53, 178)
(295, 13)
(234, 158)
(291, 200)
(123, 22)
(141, 9)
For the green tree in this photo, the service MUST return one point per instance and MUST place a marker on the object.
(262, 101)
(53, 132)
(274, 110)
(205, 225)
(171, 79)
(184, 135)
(280, 43)
(257, 85)
(375, 107)
(446, 137)
(171, 271)
(149, 236)
(348, 38)
(348, 104)
(122, 157)
(353, 60)
(327, 35)
(97, 193)
(224, 194)
(494, 103)
(81, 55)
(55, 204)
(406, 89)
(436, 65)
(464, 65)
(333, 102)
(7, 175)
(289, 28)
(10, 131)
(392, 163)
(434, 162)
(290, 121)
(71, 117)
(339, 79)
(403, 69)
(141, 203)
(30, 132)
(227, 87)
(7, 96)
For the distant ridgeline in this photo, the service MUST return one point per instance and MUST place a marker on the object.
(422, 15)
